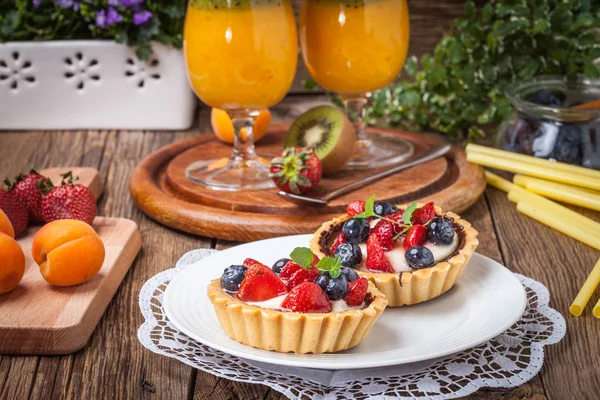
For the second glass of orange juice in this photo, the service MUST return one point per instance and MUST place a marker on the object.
(354, 47)
(241, 56)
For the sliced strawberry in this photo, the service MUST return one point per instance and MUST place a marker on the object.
(248, 262)
(307, 297)
(339, 240)
(376, 260)
(398, 218)
(416, 235)
(423, 214)
(356, 207)
(260, 283)
(300, 276)
(385, 233)
(357, 290)
(288, 270)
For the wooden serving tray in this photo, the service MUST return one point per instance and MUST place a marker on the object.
(161, 190)
(38, 318)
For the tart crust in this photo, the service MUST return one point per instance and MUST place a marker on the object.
(408, 288)
(294, 332)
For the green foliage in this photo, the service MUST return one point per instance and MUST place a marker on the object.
(460, 86)
(20, 20)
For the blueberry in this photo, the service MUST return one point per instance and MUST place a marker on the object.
(349, 253)
(384, 208)
(335, 289)
(567, 147)
(350, 274)
(232, 277)
(356, 230)
(279, 264)
(419, 257)
(441, 231)
(545, 97)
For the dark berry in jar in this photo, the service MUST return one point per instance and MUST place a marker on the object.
(350, 274)
(279, 264)
(419, 257)
(567, 147)
(356, 230)
(349, 254)
(232, 277)
(545, 139)
(441, 231)
(547, 98)
(383, 208)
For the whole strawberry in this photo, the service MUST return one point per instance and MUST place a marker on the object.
(69, 201)
(29, 190)
(297, 170)
(14, 210)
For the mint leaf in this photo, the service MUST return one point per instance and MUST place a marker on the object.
(303, 256)
(369, 212)
(409, 212)
(331, 265)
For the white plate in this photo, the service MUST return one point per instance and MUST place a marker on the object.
(486, 301)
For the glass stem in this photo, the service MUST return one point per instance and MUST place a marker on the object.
(355, 109)
(243, 144)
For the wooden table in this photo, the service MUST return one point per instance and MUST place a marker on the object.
(115, 365)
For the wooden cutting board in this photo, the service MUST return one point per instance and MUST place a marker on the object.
(37, 318)
(160, 189)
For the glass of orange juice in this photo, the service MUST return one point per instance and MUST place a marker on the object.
(241, 57)
(354, 47)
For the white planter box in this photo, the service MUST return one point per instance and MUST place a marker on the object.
(91, 84)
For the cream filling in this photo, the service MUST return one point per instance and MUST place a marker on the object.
(275, 304)
(398, 260)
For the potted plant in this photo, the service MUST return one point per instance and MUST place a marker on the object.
(99, 64)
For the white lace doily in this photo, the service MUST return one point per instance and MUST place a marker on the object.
(508, 360)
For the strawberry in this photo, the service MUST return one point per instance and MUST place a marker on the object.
(424, 214)
(291, 267)
(416, 235)
(260, 283)
(385, 233)
(398, 218)
(307, 297)
(300, 276)
(376, 260)
(14, 210)
(357, 290)
(69, 201)
(356, 207)
(28, 189)
(248, 262)
(339, 240)
(296, 170)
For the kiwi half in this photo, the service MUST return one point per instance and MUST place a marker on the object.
(327, 131)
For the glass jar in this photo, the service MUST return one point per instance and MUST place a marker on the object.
(545, 123)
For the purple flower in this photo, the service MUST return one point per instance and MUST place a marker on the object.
(101, 18)
(64, 3)
(36, 3)
(113, 16)
(129, 3)
(114, 3)
(141, 17)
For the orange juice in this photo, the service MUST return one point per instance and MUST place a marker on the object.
(240, 53)
(354, 46)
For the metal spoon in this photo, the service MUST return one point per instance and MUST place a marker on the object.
(429, 155)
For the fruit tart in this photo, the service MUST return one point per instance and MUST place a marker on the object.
(412, 254)
(300, 305)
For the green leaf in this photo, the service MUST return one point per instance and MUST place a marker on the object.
(585, 41)
(331, 265)
(470, 9)
(144, 51)
(591, 70)
(409, 212)
(411, 65)
(310, 84)
(302, 256)
(369, 208)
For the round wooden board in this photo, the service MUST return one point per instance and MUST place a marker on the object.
(161, 190)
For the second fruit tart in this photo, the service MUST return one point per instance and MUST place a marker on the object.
(411, 253)
(303, 305)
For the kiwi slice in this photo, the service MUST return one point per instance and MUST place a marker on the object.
(327, 131)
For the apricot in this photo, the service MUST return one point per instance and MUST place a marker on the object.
(223, 127)
(69, 252)
(12, 263)
(5, 225)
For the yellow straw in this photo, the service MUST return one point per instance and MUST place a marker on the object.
(585, 293)
(516, 194)
(475, 148)
(559, 223)
(561, 192)
(534, 170)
